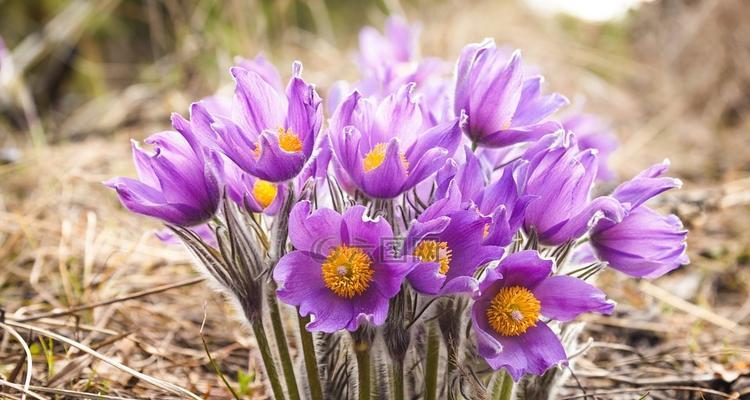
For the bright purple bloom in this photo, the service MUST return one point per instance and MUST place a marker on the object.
(449, 247)
(341, 270)
(503, 199)
(645, 244)
(249, 192)
(177, 183)
(561, 177)
(270, 135)
(383, 149)
(264, 68)
(507, 314)
(593, 132)
(381, 53)
(504, 107)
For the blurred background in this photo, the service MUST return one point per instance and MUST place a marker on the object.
(79, 78)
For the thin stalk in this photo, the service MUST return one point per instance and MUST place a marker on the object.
(363, 369)
(265, 353)
(283, 346)
(398, 380)
(311, 361)
(504, 386)
(433, 359)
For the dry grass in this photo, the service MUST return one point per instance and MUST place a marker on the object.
(66, 243)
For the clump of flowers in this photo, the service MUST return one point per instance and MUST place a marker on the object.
(423, 232)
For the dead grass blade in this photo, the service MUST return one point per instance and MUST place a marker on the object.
(170, 387)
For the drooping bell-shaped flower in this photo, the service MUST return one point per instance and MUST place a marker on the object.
(270, 135)
(507, 314)
(645, 243)
(560, 177)
(177, 183)
(383, 149)
(504, 106)
(341, 271)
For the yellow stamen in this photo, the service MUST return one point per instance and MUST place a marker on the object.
(434, 251)
(289, 141)
(486, 231)
(376, 156)
(264, 192)
(513, 311)
(347, 271)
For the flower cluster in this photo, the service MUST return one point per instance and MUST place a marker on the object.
(422, 187)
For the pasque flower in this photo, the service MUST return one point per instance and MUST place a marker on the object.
(503, 199)
(448, 245)
(270, 135)
(561, 177)
(645, 243)
(516, 300)
(176, 183)
(503, 105)
(254, 194)
(593, 132)
(383, 149)
(340, 271)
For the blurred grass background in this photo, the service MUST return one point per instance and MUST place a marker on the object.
(671, 75)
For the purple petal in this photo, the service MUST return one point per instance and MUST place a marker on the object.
(564, 298)
(363, 231)
(260, 106)
(318, 232)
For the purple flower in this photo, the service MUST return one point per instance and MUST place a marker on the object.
(380, 53)
(264, 68)
(449, 249)
(593, 132)
(503, 199)
(255, 195)
(270, 135)
(645, 243)
(507, 315)
(383, 149)
(341, 271)
(177, 183)
(561, 177)
(504, 107)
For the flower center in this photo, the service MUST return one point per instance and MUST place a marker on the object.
(434, 251)
(347, 271)
(264, 192)
(376, 156)
(513, 311)
(288, 141)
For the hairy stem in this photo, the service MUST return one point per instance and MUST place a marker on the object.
(283, 346)
(398, 380)
(503, 389)
(433, 359)
(311, 361)
(362, 350)
(265, 353)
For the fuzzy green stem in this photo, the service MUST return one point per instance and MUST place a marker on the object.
(503, 386)
(398, 380)
(433, 359)
(311, 361)
(265, 353)
(362, 350)
(282, 346)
